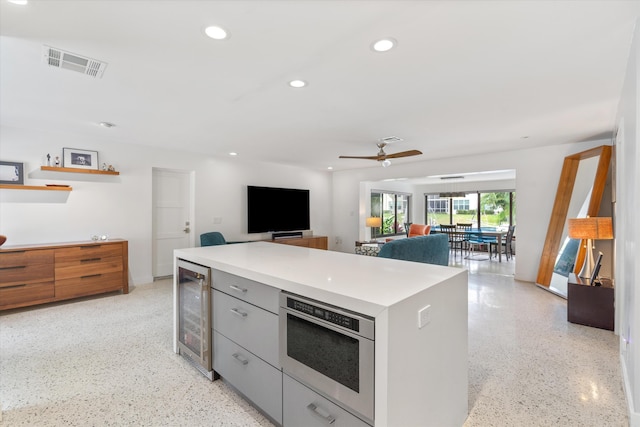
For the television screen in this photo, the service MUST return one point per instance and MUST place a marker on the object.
(277, 209)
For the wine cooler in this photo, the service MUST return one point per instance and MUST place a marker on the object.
(194, 315)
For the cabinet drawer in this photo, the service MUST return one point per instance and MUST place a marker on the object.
(248, 290)
(258, 381)
(88, 252)
(250, 326)
(89, 284)
(89, 266)
(22, 274)
(19, 258)
(22, 293)
(305, 407)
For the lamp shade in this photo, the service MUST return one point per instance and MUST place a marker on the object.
(595, 228)
(374, 221)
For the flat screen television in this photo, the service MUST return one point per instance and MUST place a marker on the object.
(272, 209)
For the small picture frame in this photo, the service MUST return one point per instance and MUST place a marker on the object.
(11, 173)
(80, 159)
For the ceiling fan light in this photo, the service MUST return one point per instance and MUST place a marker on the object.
(386, 163)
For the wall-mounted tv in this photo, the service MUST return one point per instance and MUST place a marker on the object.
(277, 209)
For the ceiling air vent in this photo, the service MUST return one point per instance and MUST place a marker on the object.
(70, 61)
(391, 139)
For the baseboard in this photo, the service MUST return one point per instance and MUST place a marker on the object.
(140, 280)
(634, 415)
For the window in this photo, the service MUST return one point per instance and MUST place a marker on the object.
(460, 204)
(394, 209)
(497, 209)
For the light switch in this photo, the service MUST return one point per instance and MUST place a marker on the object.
(424, 316)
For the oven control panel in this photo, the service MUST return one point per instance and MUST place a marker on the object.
(324, 314)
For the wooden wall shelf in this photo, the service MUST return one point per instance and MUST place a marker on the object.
(34, 187)
(78, 170)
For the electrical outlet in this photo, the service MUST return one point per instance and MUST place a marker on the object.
(424, 316)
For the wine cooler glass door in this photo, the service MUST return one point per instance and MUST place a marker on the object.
(194, 329)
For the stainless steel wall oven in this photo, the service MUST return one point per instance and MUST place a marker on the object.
(329, 349)
(194, 315)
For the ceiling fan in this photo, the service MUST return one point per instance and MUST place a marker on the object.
(384, 157)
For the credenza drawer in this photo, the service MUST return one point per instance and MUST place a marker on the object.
(91, 283)
(88, 252)
(18, 294)
(87, 267)
(22, 274)
(19, 258)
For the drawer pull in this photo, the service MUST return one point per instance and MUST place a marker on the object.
(239, 313)
(14, 286)
(90, 247)
(330, 419)
(13, 268)
(238, 289)
(240, 359)
(90, 275)
(90, 259)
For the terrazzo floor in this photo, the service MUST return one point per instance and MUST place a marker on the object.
(108, 361)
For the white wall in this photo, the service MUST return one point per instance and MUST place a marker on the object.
(627, 231)
(121, 207)
(537, 174)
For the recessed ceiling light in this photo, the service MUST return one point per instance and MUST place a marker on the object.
(106, 124)
(216, 33)
(233, 154)
(297, 83)
(384, 45)
(20, 2)
(330, 168)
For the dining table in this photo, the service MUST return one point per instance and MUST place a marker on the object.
(480, 232)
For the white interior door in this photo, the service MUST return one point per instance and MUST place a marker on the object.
(172, 217)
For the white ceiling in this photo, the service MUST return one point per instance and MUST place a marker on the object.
(466, 77)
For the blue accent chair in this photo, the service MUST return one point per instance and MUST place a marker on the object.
(430, 249)
(212, 238)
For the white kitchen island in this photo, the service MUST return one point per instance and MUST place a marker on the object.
(421, 374)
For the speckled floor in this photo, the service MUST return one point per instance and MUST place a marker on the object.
(108, 361)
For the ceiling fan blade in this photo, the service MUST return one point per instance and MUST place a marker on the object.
(359, 157)
(404, 154)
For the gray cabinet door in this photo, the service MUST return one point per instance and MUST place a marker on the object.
(252, 327)
(304, 407)
(257, 380)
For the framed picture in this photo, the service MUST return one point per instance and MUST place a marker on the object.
(81, 159)
(11, 173)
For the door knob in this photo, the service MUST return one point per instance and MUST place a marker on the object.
(186, 230)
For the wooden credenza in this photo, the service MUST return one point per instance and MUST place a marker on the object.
(315, 242)
(38, 274)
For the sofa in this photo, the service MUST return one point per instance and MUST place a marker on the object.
(431, 249)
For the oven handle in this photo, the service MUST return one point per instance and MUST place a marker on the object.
(330, 419)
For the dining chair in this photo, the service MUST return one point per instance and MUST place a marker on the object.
(466, 237)
(455, 239)
(506, 243)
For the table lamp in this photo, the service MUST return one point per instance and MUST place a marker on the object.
(374, 222)
(590, 228)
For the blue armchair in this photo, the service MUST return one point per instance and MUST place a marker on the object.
(430, 249)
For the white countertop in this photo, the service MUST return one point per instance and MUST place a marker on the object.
(363, 284)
